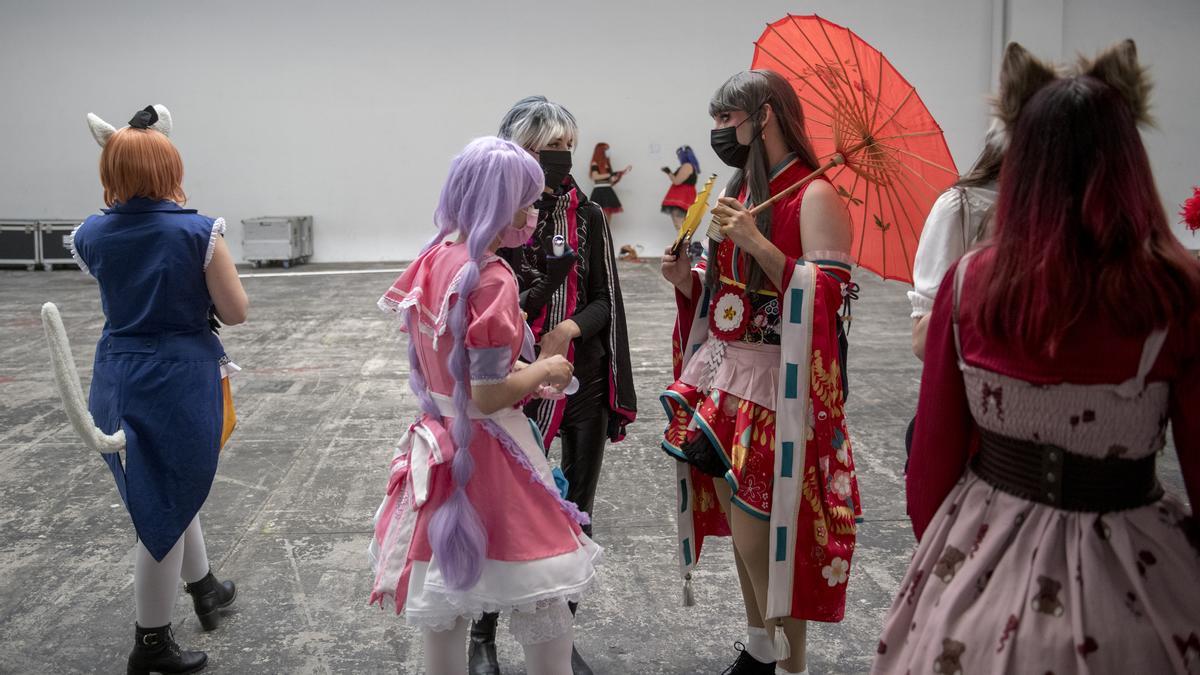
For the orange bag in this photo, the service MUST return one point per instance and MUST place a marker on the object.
(229, 422)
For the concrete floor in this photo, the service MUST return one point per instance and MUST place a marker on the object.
(321, 401)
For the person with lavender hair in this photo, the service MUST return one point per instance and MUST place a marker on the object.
(472, 521)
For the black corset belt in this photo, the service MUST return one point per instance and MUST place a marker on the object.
(1049, 475)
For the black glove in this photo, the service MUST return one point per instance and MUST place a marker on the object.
(544, 285)
(667, 170)
(558, 267)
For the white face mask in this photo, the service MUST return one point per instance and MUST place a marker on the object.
(513, 237)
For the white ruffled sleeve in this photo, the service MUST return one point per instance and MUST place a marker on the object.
(75, 252)
(943, 241)
(218, 230)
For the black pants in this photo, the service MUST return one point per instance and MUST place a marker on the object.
(584, 432)
(908, 436)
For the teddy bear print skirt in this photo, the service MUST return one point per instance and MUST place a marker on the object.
(1000, 584)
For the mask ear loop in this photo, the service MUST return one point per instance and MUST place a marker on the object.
(762, 126)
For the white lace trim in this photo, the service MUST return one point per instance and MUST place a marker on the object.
(836, 256)
(442, 607)
(552, 619)
(218, 230)
(401, 307)
(443, 316)
(411, 299)
(489, 380)
(229, 368)
(437, 322)
(441, 622)
(74, 253)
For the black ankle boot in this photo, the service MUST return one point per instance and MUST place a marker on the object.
(155, 651)
(578, 665)
(747, 664)
(481, 656)
(209, 596)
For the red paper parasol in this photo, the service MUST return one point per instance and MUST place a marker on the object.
(882, 149)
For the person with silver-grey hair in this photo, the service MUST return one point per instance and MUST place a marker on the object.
(571, 296)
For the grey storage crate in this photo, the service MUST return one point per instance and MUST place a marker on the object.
(20, 244)
(305, 224)
(55, 236)
(283, 239)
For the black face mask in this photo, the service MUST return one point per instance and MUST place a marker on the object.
(556, 164)
(725, 144)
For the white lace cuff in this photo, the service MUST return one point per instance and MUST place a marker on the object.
(921, 305)
(218, 230)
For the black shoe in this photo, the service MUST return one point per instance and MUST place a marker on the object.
(155, 651)
(209, 596)
(748, 665)
(578, 665)
(481, 654)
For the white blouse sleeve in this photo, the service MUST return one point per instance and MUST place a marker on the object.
(942, 242)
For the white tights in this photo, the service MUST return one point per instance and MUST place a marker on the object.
(445, 652)
(156, 583)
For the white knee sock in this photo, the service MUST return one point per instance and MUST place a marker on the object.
(446, 651)
(195, 556)
(550, 658)
(155, 584)
(758, 643)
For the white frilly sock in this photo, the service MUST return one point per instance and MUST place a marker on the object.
(758, 643)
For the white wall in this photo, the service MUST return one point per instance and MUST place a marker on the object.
(351, 111)
(1166, 35)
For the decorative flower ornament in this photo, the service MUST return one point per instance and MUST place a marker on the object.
(841, 484)
(1191, 211)
(836, 572)
(730, 313)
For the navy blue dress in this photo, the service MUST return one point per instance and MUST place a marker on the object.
(157, 371)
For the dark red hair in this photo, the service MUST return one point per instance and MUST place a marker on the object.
(1080, 228)
(600, 158)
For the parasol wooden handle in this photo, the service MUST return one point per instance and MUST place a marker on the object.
(836, 160)
(714, 230)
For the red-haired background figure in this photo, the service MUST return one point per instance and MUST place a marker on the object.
(605, 178)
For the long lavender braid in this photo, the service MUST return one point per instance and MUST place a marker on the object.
(489, 181)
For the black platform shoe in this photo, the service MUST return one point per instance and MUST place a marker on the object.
(578, 665)
(747, 664)
(155, 651)
(209, 596)
(481, 655)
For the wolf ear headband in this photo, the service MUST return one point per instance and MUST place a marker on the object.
(1118, 67)
(1022, 75)
(155, 117)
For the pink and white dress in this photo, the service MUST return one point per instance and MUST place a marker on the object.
(537, 556)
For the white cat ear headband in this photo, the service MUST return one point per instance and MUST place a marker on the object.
(155, 117)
